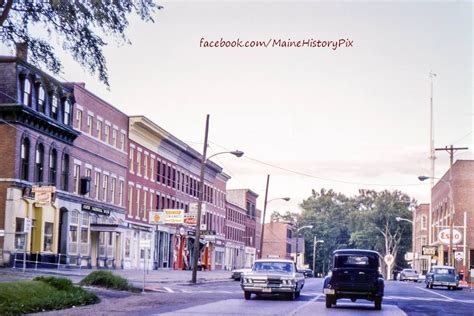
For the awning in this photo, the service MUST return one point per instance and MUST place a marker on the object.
(108, 228)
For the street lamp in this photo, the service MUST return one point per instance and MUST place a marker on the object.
(297, 239)
(451, 215)
(263, 217)
(204, 160)
(398, 218)
(315, 242)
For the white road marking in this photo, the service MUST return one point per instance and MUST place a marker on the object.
(307, 303)
(429, 291)
(168, 290)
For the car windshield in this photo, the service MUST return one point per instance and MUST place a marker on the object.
(273, 266)
(443, 271)
(355, 260)
(409, 270)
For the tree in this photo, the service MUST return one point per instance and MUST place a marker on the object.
(80, 25)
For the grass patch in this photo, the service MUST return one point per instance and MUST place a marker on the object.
(42, 294)
(108, 280)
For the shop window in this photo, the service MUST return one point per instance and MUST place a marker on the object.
(73, 239)
(48, 236)
(84, 240)
(19, 235)
(110, 244)
(53, 166)
(41, 99)
(27, 92)
(127, 244)
(39, 161)
(67, 112)
(102, 243)
(65, 173)
(25, 158)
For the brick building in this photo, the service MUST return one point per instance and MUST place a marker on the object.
(421, 262)
(247, 199)
(235, 232)
(164, 174)
(36, 126)
(462, 189)
(277, 240)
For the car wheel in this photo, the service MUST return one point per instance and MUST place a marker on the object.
(430, 285)
(298, 294)
(378, 303)
(247, 295)
(329, 301)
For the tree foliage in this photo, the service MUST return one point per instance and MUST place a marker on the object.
(366, 221)
(80, 25)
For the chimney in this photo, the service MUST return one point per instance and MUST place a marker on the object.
(22, 51)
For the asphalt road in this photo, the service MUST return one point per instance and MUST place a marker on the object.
(226, 298)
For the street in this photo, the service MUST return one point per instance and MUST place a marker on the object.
(226, 298)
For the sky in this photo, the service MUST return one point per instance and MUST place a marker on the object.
(343, 119)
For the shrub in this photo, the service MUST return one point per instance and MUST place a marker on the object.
(61, 284)
(108, 280)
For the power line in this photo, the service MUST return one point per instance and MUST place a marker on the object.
(317, 177)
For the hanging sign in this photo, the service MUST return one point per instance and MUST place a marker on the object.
(444, 236)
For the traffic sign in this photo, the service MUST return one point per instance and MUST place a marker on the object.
(388, 259)
(459, 255)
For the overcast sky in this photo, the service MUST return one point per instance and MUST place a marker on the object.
(354, 117)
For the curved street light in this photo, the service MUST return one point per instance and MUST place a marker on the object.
(297, 240)
(398, 218)
(204, 160)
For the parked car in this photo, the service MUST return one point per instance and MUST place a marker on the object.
(442, 276)
(308, 273)
(409, 275)
(355, 275)
(272, 276)
(237, 273)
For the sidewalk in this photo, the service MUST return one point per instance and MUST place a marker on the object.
(154, 278)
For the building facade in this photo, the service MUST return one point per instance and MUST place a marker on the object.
(235, 241)
(462, 184)
(421, 261)
(277, 240)
(36, 114)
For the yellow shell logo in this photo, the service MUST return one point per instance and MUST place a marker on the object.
(157, 217)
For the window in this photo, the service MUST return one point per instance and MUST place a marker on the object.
(107, 134)
(88, 174)
(143, 208)
(105, 187)
(130, 195)
(41, 99)
(145, 166)
(99, 130)
(53, 166)
(158, 171)
(19, 235)
(152, 168)
(132, 163)
(67, 112)
(97, 185)
(122, 141)
(77, 175)
(112, 191)
(73, 232)
(139, 163)
(138, 203)
(89, 124)
(27, 92)
(424, 222)
(79, 119)
(54, 107)
(25, 158)
(121, 193)
(127, 244)
(65, 172)
(48, 237)
(85, 234)
(114, 137)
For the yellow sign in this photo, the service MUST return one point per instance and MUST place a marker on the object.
(174, 216)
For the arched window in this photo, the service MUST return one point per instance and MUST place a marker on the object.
(27, 92)
(67, 112)
(53, 166)
(25, 158)
(41, 99)
(65, 172)
(54, 107)
(39, 163)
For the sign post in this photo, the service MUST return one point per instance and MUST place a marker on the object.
(145, 244)
(388, 261)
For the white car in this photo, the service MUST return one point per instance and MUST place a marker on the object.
(237, 273)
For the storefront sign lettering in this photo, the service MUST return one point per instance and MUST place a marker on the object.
(95, 209)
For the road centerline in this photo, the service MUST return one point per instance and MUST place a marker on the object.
(429, 291)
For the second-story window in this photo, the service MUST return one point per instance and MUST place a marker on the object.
(132, 160)
(27, 92)
(77, 175)
(67, 112)
(25, 159)
(54, 107)
(79, 119)
(99, 130)
(145, 166)
(41, 99)
(107, 134)
(424, 222)
(39, 161)
(114, 137)
(89, 124)
(139, 163)
(53, 166)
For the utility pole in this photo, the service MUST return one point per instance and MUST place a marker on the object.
(432, 160)
(263, 218)
(451, 150)
(198, 215)
(314, 256)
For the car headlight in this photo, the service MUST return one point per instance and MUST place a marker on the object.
(247, 280)
(288, 282)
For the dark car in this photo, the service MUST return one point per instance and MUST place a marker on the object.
(308, 273)
(355, 275)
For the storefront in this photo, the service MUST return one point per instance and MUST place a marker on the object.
(138, 247)
(249, 256)
(234, 255)
(163, 254)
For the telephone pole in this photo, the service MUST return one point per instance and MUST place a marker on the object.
(451, 150)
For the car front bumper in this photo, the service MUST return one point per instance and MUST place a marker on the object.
(443, 283)
(268, 289)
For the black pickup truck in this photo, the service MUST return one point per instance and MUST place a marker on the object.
(355, 275)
